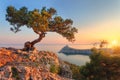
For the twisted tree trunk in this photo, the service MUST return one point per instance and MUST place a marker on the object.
(41, 36)
(30, 45)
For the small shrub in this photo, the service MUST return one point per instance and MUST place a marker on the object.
(36, 64)
(45, 54)
(54, 69)
(15, 73)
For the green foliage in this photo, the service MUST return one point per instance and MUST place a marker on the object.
(103, 43)
(15, 73)
(116, 50)
(103, 66)
(41, 21)
(54, 69)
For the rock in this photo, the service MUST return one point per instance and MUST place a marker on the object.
(65, 70)
(27, 73)
(6, 56)
(16, 64)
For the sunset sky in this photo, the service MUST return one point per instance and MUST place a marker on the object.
(95, 19)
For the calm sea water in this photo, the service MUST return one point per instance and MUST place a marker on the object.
(75, 59)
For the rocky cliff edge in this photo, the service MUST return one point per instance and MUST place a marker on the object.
(16, 64)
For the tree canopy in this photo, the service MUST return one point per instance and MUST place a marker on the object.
(102, 66)
(41, 21)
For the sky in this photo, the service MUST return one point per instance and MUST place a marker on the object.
(95, 20)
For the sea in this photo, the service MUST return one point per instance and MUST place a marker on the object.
(74, 59)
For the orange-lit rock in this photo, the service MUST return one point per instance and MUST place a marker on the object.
(16, 64)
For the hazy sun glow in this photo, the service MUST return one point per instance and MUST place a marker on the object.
(114, 43)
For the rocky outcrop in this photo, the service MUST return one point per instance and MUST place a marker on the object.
(27, 73)
(70, 51)
(65, 70)
(16, 64)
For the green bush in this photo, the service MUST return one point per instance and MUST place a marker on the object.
(15, 73)
(54, 69)
(102, 66)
